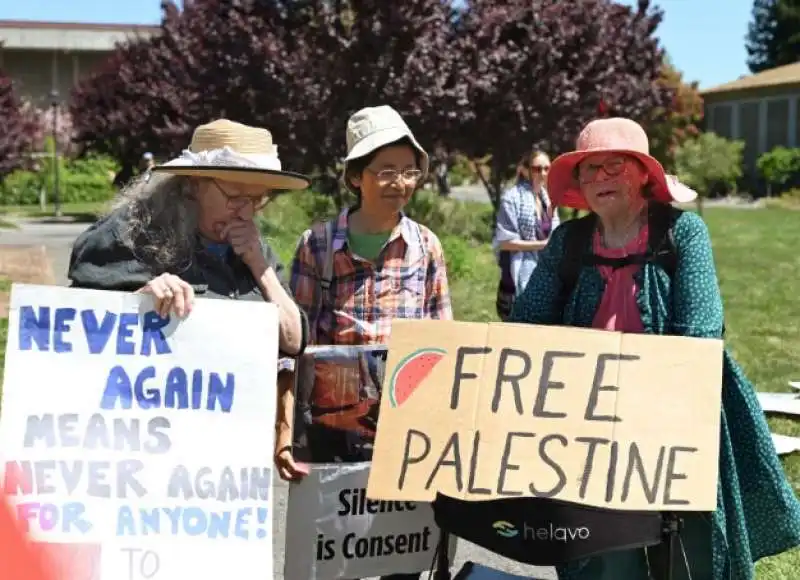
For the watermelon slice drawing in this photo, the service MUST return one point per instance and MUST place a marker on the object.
(410, 373)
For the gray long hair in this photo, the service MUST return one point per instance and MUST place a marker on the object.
(162, 216)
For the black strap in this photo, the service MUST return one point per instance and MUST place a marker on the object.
(576, 245)
(661, 248)
(578, 239)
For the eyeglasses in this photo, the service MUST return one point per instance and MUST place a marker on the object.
(391, 175)
(235, 202)
(540, 168)
(612, 166)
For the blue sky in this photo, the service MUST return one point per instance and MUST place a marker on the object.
(705, 38)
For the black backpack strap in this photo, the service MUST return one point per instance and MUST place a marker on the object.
(661, 247)
(577, 242)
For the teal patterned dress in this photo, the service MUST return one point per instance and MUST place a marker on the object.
(757, 512)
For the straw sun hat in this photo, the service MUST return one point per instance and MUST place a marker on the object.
(234, 152)
(613, 135)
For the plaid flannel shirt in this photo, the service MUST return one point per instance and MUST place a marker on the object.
(408, 280)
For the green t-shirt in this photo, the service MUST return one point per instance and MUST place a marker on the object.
(367, 246)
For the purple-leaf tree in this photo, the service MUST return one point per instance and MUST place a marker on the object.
(367, 53)
(538, 70)
(17, 129)
(46, 128)
(213, 59)
(137, 100)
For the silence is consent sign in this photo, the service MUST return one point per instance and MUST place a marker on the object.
(605, 419)
(138, 447)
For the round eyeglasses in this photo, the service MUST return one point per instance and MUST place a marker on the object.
(391, 175)
(235, 202)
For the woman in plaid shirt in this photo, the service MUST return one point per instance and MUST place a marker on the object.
(370, 265)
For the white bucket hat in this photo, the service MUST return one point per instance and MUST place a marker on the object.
(234, 152)
(373, 127)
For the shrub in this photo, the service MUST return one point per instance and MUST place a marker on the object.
(709, 161)
(790, 198)
(467, 220)
(461, 171)
(779, 166)
(82, 180)
(459, 257)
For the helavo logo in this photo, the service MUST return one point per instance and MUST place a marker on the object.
(505, 529)
(554, 533)
(551, 533)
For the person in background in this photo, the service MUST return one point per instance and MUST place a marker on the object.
(189, 230)
(441, 168)
(612, 174)
(525, 219)
(146, 165)
(384, 266)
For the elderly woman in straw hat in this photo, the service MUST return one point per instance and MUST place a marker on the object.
(634, 286)
(189, 231)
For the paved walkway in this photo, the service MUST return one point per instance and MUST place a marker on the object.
(58, 237)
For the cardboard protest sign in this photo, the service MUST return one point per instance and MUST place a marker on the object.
(337, 397)
(139, 447)
(487, 411)
(333, 530)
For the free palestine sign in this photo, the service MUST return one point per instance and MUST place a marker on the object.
(488, 411)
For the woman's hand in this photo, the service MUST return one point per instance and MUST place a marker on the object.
(245, 239)
(171, 294)
(288, 468)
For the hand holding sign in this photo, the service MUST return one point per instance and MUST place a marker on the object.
(170, 294)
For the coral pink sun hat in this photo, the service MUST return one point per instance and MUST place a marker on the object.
(613, 135)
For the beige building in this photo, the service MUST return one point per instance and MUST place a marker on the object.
(760, 109)
(43, 56)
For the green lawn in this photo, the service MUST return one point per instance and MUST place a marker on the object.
(757, 258)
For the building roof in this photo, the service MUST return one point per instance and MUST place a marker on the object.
(43, 25)
(783, 75)
(67, 36)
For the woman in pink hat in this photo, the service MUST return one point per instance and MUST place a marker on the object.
(637, 264)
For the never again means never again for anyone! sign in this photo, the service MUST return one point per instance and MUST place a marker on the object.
(139, 447)
(488, 411)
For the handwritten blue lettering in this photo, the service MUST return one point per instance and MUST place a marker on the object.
(225, 485)
(120, 389)
(193, 522)
(37, 326)
(122, 434)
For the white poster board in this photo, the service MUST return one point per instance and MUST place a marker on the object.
(784, 444)
(137, 447)
(333, 530)
(781, 403)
